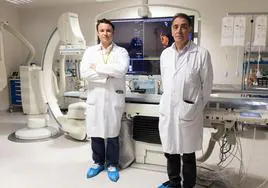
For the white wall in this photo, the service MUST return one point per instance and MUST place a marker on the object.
(12, 47)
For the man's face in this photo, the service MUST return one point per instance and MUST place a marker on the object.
(181, 30)
(105, 33)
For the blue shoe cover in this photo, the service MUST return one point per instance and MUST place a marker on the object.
(94, 170)
(113, 173)
(166, 185)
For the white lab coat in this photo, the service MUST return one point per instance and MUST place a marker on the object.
(180, 122)
(106, 90)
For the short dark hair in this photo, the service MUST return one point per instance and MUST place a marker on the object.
(182, 15)
(106, 22)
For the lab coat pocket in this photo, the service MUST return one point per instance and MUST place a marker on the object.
(191, 87)
(188, 110)
(119, 99)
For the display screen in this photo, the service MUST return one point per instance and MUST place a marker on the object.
(145, 39)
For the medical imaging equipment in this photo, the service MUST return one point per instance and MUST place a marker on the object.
(39, 85)
(68, 37)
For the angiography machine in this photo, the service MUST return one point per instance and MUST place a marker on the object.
(40, 89)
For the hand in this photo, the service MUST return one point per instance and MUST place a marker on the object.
(93, 66)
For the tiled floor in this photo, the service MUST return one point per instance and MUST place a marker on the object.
(62, 163)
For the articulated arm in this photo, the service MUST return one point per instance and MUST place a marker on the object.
(19, 36)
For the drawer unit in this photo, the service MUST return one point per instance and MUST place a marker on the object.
(15, 93)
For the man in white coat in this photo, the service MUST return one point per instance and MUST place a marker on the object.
(104, 67)
(187, 75)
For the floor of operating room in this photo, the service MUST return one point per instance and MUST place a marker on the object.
(63, 162)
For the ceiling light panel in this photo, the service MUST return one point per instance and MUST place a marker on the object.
(19, 2)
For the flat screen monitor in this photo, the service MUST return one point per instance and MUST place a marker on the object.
(145, 39)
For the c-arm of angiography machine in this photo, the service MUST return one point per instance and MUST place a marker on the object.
(72, 43)
(39, 85)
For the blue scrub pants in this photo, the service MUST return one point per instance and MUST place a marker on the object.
(108, 157)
